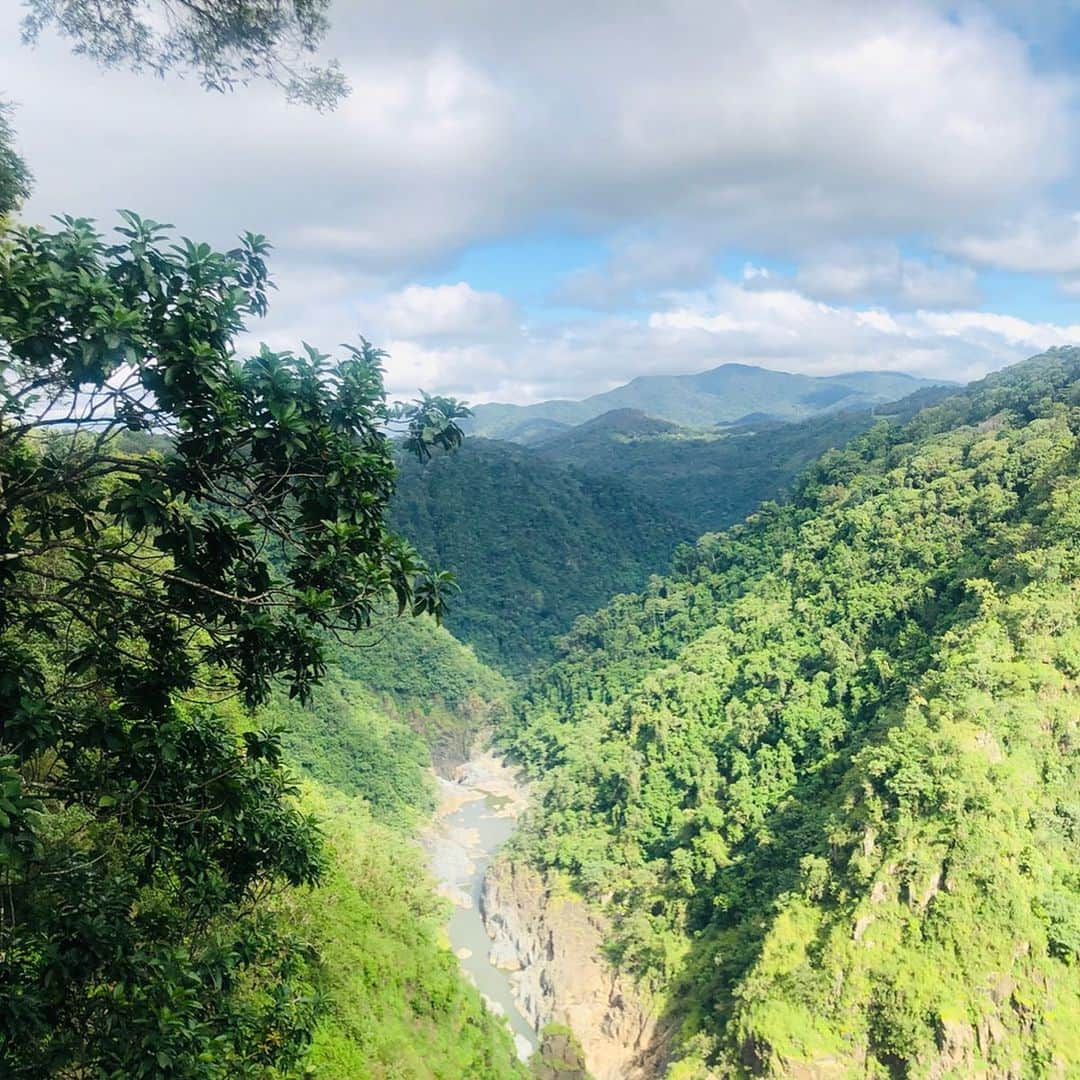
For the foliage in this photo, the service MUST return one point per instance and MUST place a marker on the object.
(533, 544)
(281, 459)
(143, 821)
(423, 676)
(227, 43)
(14, 175)
(823, 775)
(397, 1003)
(387, 708)
(559, 1056)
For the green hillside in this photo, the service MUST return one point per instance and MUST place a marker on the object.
(540, 535)
(823, 777)
(532, 544)
(395, 1003)
(394, 1000)
(721, 395)
(393, 701)
(712, 479)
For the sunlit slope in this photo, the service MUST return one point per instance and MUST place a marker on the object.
(396, 1003)
(824, 777)
(394, 999)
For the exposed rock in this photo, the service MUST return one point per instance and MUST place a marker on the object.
(754, 1054)
(931, 890)
(825, 1068)
(488, 774)
(504, 955)
(869, 841)
(1001, 986)
(562, 977)
(862, 924)
(560, 1056)
(956, 1043)
(988, 1031)
(990, 746)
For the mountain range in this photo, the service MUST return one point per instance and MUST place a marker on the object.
(724, 394)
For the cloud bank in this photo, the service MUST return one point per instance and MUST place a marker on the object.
(873, 162)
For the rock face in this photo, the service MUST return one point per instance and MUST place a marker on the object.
(552, 944)
(559, 1056)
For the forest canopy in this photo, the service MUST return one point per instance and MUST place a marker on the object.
(822, 777)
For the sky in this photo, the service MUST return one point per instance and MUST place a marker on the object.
(521, 201)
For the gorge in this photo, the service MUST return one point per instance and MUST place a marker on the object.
(768, 789)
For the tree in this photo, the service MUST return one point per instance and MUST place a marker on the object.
(14, 176)
(227, 43)
(176, 525)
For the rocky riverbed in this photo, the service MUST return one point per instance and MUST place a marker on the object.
(535, 954)
(551, 943)
(478, 806)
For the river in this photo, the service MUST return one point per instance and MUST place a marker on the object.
(475, 817)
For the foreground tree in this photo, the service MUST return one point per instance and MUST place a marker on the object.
(14, 175)
(175, 525)
(227, 43)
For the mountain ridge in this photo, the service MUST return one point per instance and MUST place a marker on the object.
(718, 395)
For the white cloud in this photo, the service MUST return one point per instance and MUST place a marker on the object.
(770, 125)
(826, 133)
(778, 328)
(446, 313)
(1043, 243)
(883, 274)
(638, 266)
(787, 329)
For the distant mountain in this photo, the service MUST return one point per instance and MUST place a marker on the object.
(724, 394)
(712, 479)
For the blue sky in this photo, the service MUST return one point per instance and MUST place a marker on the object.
(523, 201)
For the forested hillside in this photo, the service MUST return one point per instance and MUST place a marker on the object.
(823, 776)
(532, 544)
(713, 479)
(540, 535)
(193, 550)
(393, 701)
(395, 1002)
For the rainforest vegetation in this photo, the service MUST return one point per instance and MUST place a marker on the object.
(823, 775)
(799, 700)
(533, 544)
(155, 848)
(539, 535)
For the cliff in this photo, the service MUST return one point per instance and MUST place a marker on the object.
(552, 944)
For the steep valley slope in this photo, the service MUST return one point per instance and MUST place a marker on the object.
(394, 999)
(538, 536)
(819, 783)
(804, 806)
